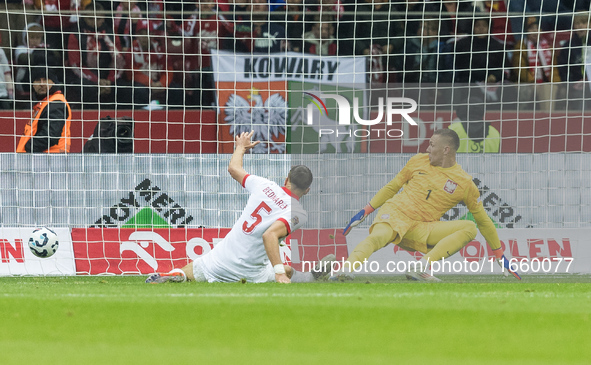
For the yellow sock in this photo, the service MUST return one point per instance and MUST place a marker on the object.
(380, 236)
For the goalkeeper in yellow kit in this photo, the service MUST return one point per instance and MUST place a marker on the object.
(432, 184)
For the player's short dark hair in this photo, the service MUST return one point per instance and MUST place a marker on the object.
(300, 177)
(451, 135)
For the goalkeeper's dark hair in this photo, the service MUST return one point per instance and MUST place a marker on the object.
(300, 177)
(452, 137)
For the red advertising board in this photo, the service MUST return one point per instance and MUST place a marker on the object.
(157, 131)
(535, 251)
(95, 251)
(144, 251)
(136, 251)
(521, 132)
(193, 131)
(562, 251)
(314, 244)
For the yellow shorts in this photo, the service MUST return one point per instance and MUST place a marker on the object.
(411, 235)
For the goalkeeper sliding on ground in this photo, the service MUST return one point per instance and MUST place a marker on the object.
(433, 183)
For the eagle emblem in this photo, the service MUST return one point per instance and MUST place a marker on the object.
(450, 186)
(266, 118)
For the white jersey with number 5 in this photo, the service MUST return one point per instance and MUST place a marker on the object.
(241, 254)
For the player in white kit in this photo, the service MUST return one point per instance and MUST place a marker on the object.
(250, 251)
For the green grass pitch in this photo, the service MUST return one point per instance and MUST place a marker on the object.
(465, 320)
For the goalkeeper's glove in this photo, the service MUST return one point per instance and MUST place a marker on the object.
(507, 266)
(358, 218)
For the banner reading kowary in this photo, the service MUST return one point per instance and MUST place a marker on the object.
(288, 66)
(252, 91)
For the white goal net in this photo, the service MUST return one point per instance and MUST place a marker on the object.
(352, 89)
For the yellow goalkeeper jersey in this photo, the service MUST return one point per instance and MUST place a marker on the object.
(430, 191)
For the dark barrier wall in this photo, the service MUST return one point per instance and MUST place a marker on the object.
(193, 131)
(160, 131)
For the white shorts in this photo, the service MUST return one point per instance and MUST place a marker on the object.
(266, 276)
(202, 274)
(198, 270)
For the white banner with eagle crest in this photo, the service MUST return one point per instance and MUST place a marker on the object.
(252, 91)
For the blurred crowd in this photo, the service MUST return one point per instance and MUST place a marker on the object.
(154, 53)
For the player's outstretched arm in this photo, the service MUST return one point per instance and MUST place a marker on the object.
(241, 145)
(358, 218)
(271, 239)
(385, 193)
(489, 232)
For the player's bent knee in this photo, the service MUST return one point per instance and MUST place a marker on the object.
(382, 234)
(377, 243)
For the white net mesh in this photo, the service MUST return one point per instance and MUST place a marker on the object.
(326, 83)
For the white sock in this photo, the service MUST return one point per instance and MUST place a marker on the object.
(425, 264)
(345, 270)
(302, 277)
(181, 271)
